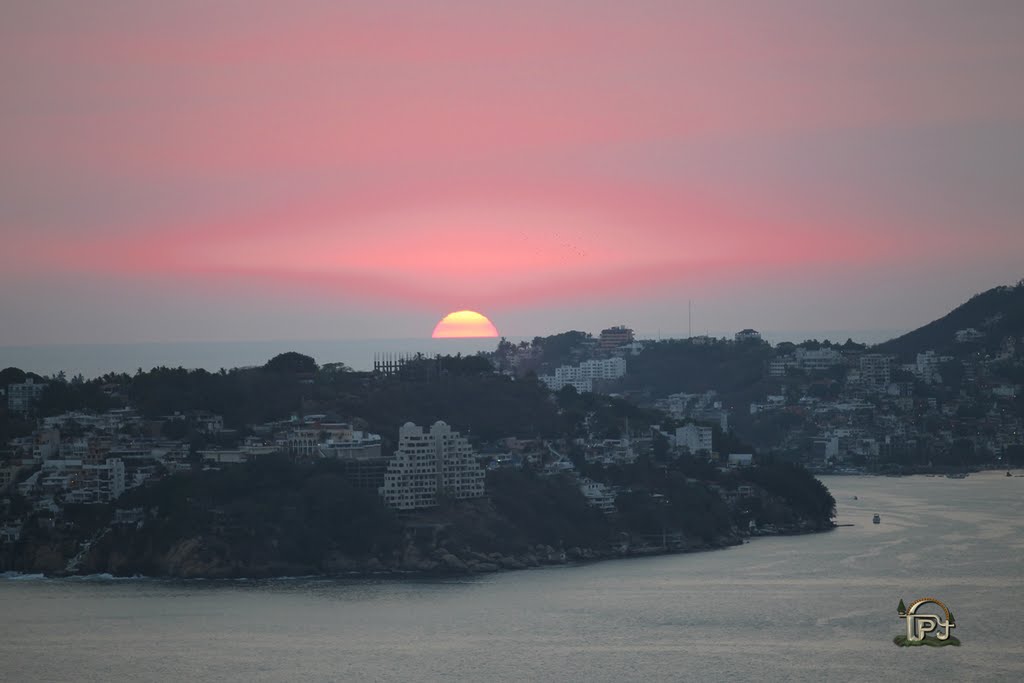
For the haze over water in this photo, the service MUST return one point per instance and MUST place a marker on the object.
(805, 608)
(94, 360)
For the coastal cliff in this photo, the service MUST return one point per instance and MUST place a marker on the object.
(288, 520)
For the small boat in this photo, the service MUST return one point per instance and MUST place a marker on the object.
(877, 519)
(855, 497)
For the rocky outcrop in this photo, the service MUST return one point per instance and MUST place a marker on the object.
(435, 545)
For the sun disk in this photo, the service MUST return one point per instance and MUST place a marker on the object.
(464, 324)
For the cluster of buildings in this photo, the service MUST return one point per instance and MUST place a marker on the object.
(870, 408)
(85, 458)
(693, 439)
(81, 458)
(583, 376)
(578, 365)
(838, 406)
(703, 407)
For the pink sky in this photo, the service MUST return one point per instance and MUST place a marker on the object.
(316, 170)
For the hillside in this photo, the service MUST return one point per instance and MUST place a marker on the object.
(997, 313)
(281, 517)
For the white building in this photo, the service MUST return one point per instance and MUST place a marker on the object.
(582, 376)
(927, 367)
(1006, 390)
(47, 444)
(700, 407)
(333, 440)
(303, 441)
(777, 367)
(827, 447)
(968, 335)
(428, 463)
(356, 444)
(716, 414)
(208, 422)
(227, 457)
(740, 459)
(83, 482)
(100, 482)
(817, 360)
(599, 495)
(771, 402)
(694, 438)
(10, 532)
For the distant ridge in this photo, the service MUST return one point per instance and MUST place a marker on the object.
(997, 313)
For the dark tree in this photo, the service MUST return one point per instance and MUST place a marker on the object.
(291, 362)
(11, 376)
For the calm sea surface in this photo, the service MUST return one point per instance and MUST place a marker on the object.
(94, 360)
(806, 608)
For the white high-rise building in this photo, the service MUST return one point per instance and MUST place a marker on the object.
(428, 463)
(694, 438)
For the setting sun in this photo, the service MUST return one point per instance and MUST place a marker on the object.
(464, 324)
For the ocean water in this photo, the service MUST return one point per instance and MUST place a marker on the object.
(806, 608)
(93, 360)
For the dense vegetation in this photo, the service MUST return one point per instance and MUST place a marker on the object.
(795, 486)
(736, 371)
(460, 390)
(273, 512)
(998, 311)
(486, 405)
(549, 510)
(276, 515)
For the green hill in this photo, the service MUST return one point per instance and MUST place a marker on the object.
(997, 313)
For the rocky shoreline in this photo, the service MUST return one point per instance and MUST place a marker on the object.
(201, 558)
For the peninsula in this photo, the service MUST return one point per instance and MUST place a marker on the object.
(570, 447)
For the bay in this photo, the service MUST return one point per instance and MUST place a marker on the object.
(804, 608)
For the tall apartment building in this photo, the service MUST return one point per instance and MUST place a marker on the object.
(83, 481)
(428, 463)
(875, 368)
(100, 482)
(927, 366)
(21, 396)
